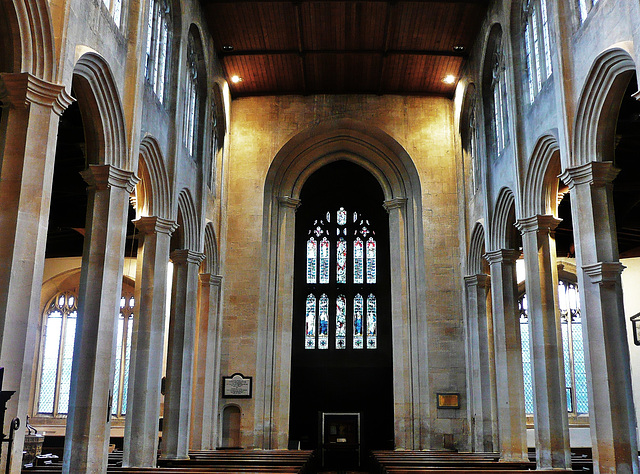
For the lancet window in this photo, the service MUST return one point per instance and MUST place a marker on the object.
(500, 106)
(572, 349)
(341, 271)
(157, 51)
(537, 46)
(191, 97)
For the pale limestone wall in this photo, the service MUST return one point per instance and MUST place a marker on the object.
(423, 126)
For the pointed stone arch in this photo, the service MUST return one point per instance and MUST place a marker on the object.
(540, 190)
(31, 48)
(211, 264)
(476, 262)
(154, 180)
(391, 165)
(189, 229)
(600, 97)
(102, 112)
(503, 232)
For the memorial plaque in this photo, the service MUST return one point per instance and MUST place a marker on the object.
(236, 386)
(448, 400)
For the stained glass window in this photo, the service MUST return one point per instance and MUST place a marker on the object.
(352, 237)
(372, 322)
(312, 255)
(572, 350)
(323, 332)
(371, 260)
(324, 260)
(59, 331)
(358, 260)
(310, 323)
(357, 322)
(341, 322)
(341, 261)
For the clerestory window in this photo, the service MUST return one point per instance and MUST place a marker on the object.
(537, 46)
(157, 51)
(585, 7)
(58, 339)
(341, 274)
(572, 349)
(499, 97)
(115, 9)
(191, 97)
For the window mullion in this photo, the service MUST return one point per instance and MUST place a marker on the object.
(63, 331)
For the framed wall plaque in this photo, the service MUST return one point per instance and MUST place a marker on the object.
(237, 386)
(448, 400)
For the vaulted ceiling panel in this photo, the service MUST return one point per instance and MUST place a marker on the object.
(334, 47)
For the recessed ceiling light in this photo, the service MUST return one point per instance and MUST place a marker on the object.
(458, 48)
(449, 79)
(227, 47)
(235, 79)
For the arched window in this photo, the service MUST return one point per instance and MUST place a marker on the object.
(572, 346)
(537, 46)
(499, 101)
(58, 336)
(214, 142)
(157, 51)
(191, 97)
(115, 9)
(341, 271)
(585, 7)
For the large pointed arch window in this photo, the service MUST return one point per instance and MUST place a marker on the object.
(341, 273)
(499, 102)
(191, 98)
(58, 337)
(537, 46)
(157, 51)
(572, 349)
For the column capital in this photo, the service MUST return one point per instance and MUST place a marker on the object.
(186, 256)
(155, 225)
(538, 223)
(107, 176)
(604, 273)
(481, 280)
(288, 201)
(22, 89)
(395, 203)
(209, 279)
(595, 173)
(502, 256)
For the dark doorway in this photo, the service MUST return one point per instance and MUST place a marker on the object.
(337, 370)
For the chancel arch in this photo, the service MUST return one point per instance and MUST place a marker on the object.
(392, 167)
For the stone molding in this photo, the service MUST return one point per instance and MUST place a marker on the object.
(604, 273)
(23, 89)
(288, 201)
(209, 279)
(155, 225)
(106, 176)
(481, 280)
(186, 256)
(595, 173)
(502, 256)
(395, 203)
(538, 223)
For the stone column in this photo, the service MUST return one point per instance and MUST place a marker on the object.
(206, 388)
(480, 353)
(547, 362)
(506, 326)
(611, 408)
(88, 422)
(28, 134)
(180, 357)
(145, 372)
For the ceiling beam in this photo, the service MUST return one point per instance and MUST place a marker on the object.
(390, 52)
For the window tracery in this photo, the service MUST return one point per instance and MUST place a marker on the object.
(537, 46)
(353, 261)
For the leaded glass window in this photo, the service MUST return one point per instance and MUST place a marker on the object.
(537, 46)
(341, 250)
(572, 349)
(58, 337)
(191, 97)
(499, 95)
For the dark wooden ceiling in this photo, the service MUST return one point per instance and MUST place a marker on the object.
(335, 47)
